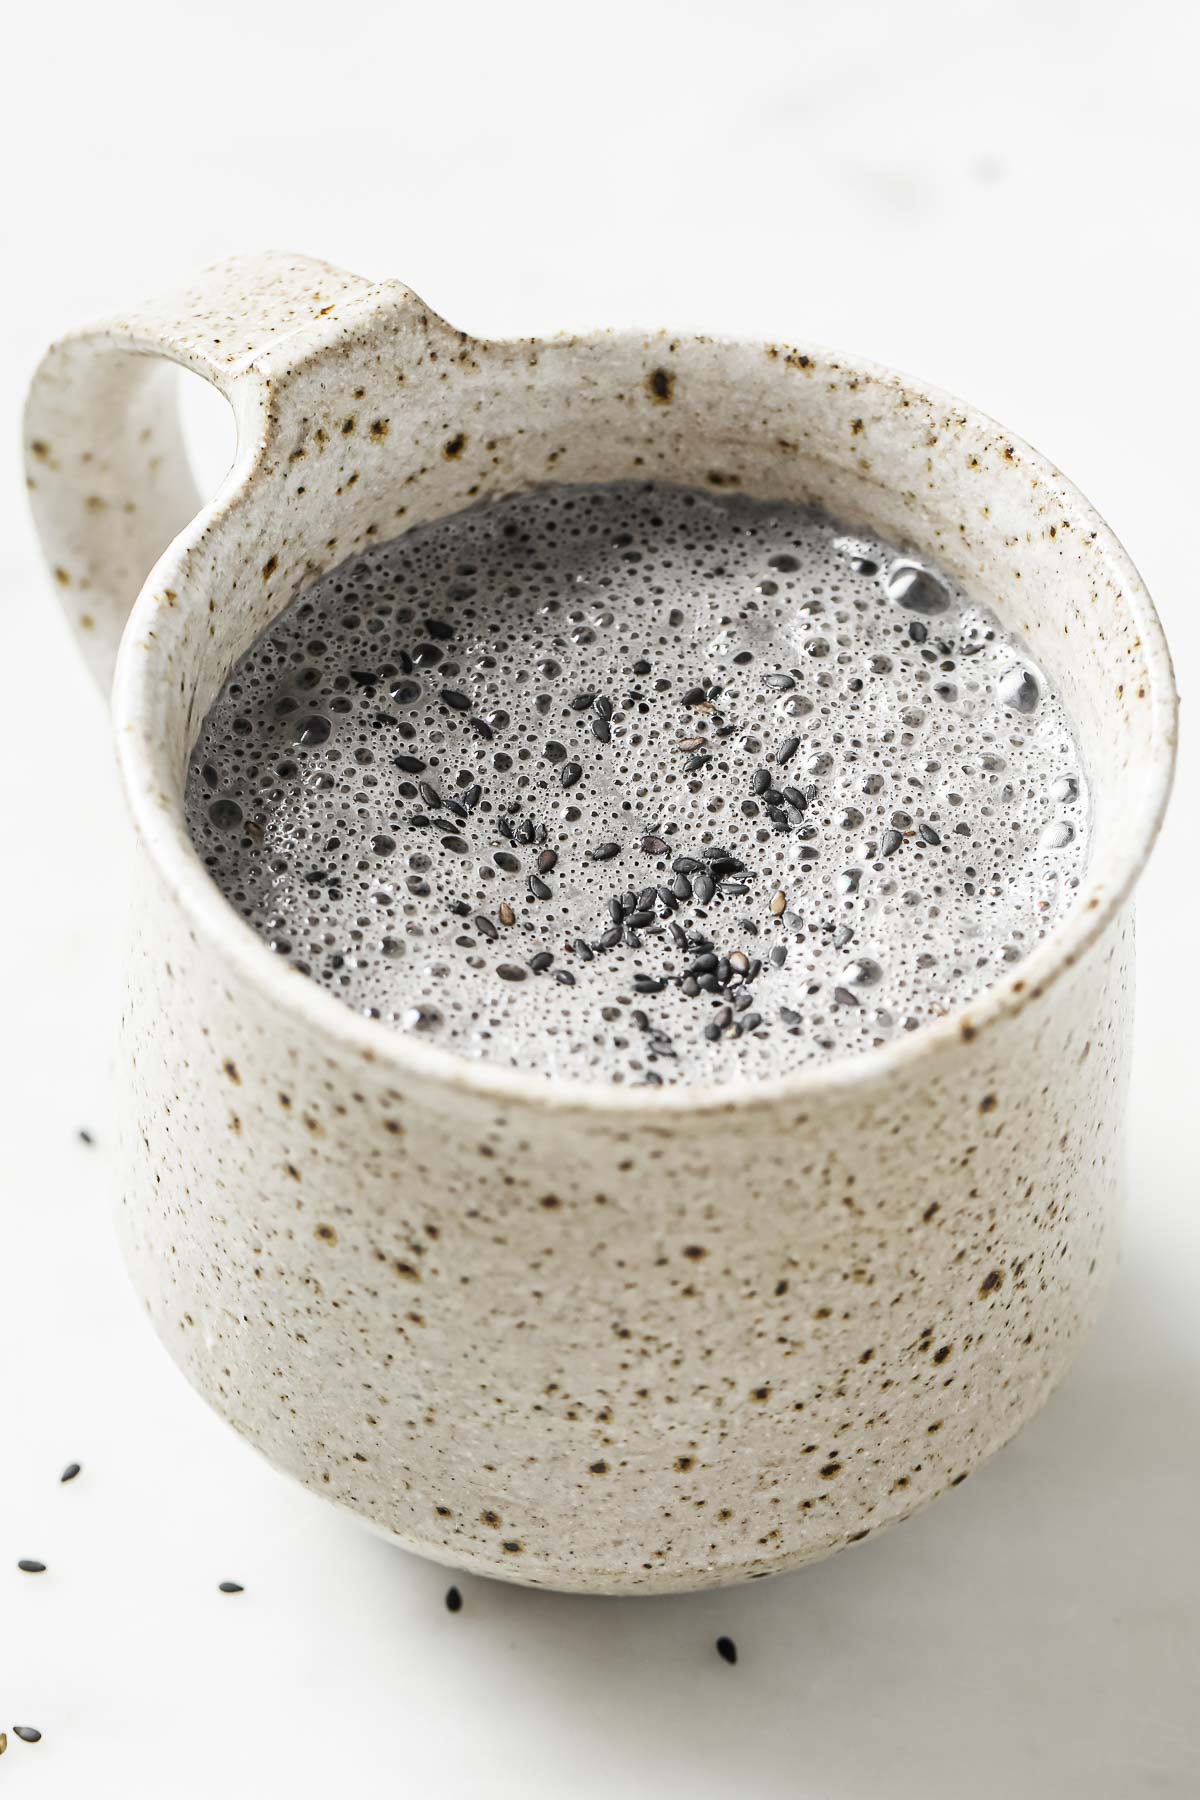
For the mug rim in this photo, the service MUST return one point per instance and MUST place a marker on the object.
(159, 825)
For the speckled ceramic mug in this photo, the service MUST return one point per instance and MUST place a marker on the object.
(573, 1334)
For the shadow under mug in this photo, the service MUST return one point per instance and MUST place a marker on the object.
(567, 1333)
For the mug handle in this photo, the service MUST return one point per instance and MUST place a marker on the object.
(109, 479)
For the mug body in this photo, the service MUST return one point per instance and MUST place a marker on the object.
(572, 1335)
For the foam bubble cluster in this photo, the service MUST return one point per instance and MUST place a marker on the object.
(636, 783)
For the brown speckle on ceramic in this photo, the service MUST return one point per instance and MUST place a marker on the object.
(574, 1336)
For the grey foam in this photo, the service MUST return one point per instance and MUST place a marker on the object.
(296, 805)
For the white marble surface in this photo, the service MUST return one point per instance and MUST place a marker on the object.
(1001, 199)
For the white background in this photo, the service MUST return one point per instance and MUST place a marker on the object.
(1000, 198)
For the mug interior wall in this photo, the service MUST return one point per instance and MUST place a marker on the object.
(410, 421)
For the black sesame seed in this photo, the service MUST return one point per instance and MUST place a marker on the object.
(554, 752)
(630, 938)
(510, 972)
(412, 765)
(892, 841)
(581, 702)
(779, 955)
(29, 1566)
(929, 835)
(648, 984)
(231, 1587)
(694, 696)
(639, 920)
(601, 729)
(429, 794)
(85, 1136)
(564, 977)
(70, 1472)
(760, 781)
(703, 889)
(454, 699)
(696, 762)
(726, 1648)
(654, 846)
(538, 888)
(541, 961)
(787, 749)
(604, 852)
(546, 861)
(603, 706)
(481, 726)
(685, 865)
(28, 1734)
(569, 774)
(611, 937)
(584, 950)
(918, 632)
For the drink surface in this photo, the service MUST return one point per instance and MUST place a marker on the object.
(633, 783)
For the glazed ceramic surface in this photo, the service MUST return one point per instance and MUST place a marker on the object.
(570, 1334)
